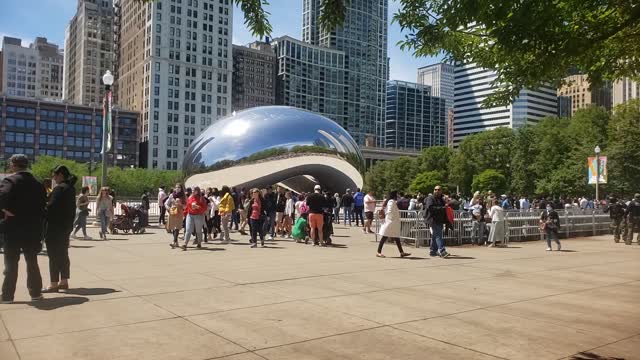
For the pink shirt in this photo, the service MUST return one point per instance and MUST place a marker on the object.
(256, 210)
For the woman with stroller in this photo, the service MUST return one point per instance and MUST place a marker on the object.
(61, 211)
(391, 227)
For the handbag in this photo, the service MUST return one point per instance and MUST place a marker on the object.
(173, 211)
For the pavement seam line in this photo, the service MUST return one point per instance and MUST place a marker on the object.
(595, 348)
(10, 339)
(448, 343)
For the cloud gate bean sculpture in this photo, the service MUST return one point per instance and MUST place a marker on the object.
(275, 144)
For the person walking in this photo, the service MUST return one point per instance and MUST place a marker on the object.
(225, 209)
(347, 204)
(617, 211)
(176, 217)
(82, 212)
(391, 227)
(281, 204)
(23, 201)
(435, 219)
(336, 208)
(358, 207)
(146, 205)
(633, 213)
(257, 216)
(244, 213)
(369, 209)
(162, 198)
(316, 203)
(550, 223)
(195, 209)
(104, 209)
(269, 204)
(289, 213)
(498, 224)
(61, 210)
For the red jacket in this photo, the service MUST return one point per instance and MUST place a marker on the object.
(200, 201)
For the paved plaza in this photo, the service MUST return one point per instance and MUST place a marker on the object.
(135, 298)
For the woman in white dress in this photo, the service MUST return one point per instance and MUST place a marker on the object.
(391, 227)
(498, 224)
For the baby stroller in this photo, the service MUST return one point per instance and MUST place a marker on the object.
(132, 219)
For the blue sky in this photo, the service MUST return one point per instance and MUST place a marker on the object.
(28, 19)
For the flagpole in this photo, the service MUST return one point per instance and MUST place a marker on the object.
(107, 79)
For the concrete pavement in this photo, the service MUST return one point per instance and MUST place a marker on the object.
(135, 298)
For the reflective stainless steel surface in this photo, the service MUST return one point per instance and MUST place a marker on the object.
(272, 135)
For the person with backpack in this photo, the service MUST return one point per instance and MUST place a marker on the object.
(550, 224)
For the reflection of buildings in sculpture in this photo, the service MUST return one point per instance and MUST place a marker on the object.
(268, 145)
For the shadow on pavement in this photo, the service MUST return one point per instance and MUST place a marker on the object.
(456, 257)
(569, 251)
(592, 356)
(56, 303)
(91, 291)
(80, 246)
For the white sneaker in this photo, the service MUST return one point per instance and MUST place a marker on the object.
(269, 237)
(548, 249)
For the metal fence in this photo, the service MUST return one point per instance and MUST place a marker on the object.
(521, 226)
(154, 210)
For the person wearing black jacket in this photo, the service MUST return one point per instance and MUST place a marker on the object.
(550, 223)
(316, 203)
(617, 210)
(435, 218)
(23, 200)
(61, 210)
(270, 208)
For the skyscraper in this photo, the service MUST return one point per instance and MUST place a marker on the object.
(363, 39)
(34, 71)
(312, 77)
(175, 68)
(473, 85)
(440, 77)
(582, 95)
(88, 52)
(414, 118)
(254, 75)
(624, 90)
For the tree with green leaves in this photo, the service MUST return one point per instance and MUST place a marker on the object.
(490, 179)
(528, 43)
(425, 182)
(434, 158)
(623, 150)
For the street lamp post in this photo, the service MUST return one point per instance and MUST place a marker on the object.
(597, 151)
(107, 79)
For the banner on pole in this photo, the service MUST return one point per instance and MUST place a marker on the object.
(106, 116)
(591, 161)
(92, 183)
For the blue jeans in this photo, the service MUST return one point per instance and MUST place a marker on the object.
(193, 223)
(104, 220)
(81, 223)
(552, 235)
(336, 215)
(437, 241)
(347, 214)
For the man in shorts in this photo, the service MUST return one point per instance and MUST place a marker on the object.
(369, 209)
(316, 203)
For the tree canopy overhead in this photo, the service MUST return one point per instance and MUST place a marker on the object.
(527, 42)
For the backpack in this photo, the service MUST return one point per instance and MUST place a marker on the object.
(304, 208)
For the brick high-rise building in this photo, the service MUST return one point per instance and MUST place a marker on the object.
(175, 67)
(254, 75)
(88, 51)
(579, 89)
(33, 72)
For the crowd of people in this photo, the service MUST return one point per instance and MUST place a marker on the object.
(36, 214)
